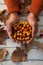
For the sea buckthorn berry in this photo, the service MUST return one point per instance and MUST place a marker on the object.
(17, 25)
(15, 28)
(14, 36)
(30, 30)
(17, 38)
(18, 34)
(24, 32)
(21, 23)
(25, 23)
(22, 28)
(18, 31)
(28, 33)
(27, 28)
(26, 38)
(21, 36)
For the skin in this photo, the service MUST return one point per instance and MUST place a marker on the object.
(33, 23)
(13, 18)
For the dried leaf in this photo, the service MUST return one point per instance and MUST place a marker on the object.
(2, 41)
(3, 16)
(38, 44)
(3, 37)
(3, 54)
(18, 55)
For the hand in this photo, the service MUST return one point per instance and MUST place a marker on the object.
(33, 23)
(13, 18)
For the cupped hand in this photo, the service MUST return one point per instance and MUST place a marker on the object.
(13, 18)
(33, 23)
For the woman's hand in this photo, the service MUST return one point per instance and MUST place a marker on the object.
(13, 18)
(33, 23)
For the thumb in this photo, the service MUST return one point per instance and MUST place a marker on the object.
(8, 28)
(33, 31)
(9, 31)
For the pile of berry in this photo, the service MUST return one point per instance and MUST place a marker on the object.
(22, 31)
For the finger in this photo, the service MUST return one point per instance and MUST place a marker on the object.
(27, 42)
(33, 31)
(15, 21)
(8, 28)
(30, 40)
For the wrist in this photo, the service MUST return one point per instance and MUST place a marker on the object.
(13, 15)
(33, 16)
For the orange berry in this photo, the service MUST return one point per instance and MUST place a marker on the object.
(30, 30)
